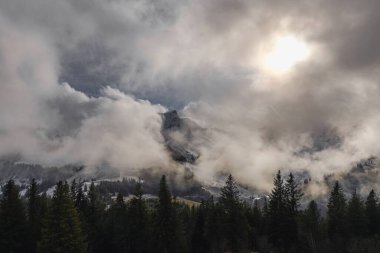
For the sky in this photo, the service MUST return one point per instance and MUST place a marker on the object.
(291, 85)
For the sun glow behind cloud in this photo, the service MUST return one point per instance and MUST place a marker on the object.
(286, 52)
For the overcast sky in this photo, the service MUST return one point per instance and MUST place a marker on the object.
(84, 81)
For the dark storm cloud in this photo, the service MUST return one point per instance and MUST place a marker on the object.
(351, 32)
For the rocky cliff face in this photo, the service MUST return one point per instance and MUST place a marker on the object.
(179, 137)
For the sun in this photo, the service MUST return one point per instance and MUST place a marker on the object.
(285, 53)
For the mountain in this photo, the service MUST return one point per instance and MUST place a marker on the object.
(362, 177)
(179, 135)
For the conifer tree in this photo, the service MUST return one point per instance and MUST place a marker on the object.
(33, 216)
(186, 218)
(74, 190)
(257, 217)
(213, 226)
(61, 231)
(293, 196)
(265, 215)
(229, 194)
(94, 217)
(81, 202)
(37, 208)
(117, 222)
(198, 240)
(255, 220)
(356, 216)
(336, 218)
(168, 230)
(312, 217)
(311, 221)
(277, 213)
(234, 220)
(372, 213)
(13, 227)
(139, 223)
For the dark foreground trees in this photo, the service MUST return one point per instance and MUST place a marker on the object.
(74, 220)
(37, 209)
(61, 229)
(167, 226)
(139, 223)
(284, 202)
(13, 227)
(235, 225)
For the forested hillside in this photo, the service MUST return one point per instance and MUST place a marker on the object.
(72, 221)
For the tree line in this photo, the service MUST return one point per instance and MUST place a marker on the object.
(72, 221)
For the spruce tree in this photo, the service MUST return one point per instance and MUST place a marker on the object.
(61, 231)
(336, 211)
(294, 194)
(265, 216)
(213, 227)
(186, 217)
(312, 218)
(372, 213)
(256, 222)
(277, 213)
(13, 226)
(311, 222)
(117, 225)
(198, 241)
(229, 194)
(169, 236)
(234, 221)
(257, 216)
(139, 223)
(82, 206)
(356, 216)
(94, 217)
(336, 218)
(37, 207)
(74, 190)
(293, 197)
(81, 202)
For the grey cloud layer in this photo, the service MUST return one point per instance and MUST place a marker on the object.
(53, 124)
(200, 55)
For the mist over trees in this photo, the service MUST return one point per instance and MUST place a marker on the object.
(74, 221)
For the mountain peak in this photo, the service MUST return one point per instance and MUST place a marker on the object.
(171, 119)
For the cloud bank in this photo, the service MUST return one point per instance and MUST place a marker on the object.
(84, 82)
(53, 124)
